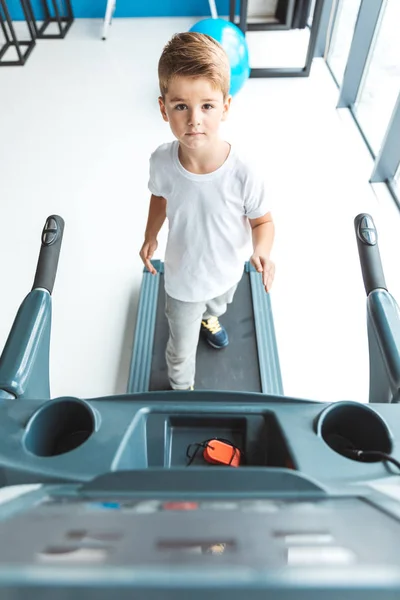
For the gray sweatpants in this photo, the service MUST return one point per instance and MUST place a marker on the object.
(184, 319)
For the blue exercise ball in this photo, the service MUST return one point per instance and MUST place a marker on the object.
(234, 43)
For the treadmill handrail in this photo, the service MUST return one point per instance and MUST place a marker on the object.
(46, 269)
(368, 250)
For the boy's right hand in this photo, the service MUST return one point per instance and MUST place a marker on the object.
(146, 254)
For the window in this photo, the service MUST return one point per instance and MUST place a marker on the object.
(380, 86)
(397, 180)
(342, 36)
(397, 176)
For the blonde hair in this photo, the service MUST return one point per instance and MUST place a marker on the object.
(194, 55)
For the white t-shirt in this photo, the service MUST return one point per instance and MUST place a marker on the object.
(209, 233)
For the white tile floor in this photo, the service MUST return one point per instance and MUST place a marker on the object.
(78, 123)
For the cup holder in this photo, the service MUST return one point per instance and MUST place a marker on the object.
(59, 426)
(349, 426)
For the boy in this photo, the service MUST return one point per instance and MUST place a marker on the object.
(213, 203)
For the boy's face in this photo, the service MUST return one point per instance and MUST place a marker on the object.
(194, 109)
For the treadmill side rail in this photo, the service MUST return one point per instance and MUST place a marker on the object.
(140, 369)
(268, 358)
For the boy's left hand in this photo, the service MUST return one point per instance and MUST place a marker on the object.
(264, 265)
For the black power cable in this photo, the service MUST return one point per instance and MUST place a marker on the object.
(375, 454)
(346, 448)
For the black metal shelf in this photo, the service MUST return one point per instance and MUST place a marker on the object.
(57, 12)
(22, 48)
(61, 15)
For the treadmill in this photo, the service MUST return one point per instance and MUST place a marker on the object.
(119, 495)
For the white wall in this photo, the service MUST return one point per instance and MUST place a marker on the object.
(78, 123)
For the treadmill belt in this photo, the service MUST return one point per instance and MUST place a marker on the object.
(234, 368)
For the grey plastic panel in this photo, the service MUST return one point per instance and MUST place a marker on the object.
(384, 346)
(71, 440)
(384, 585)
(64, 542)
(24, 363)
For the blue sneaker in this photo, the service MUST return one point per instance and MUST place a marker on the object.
(214, 333)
